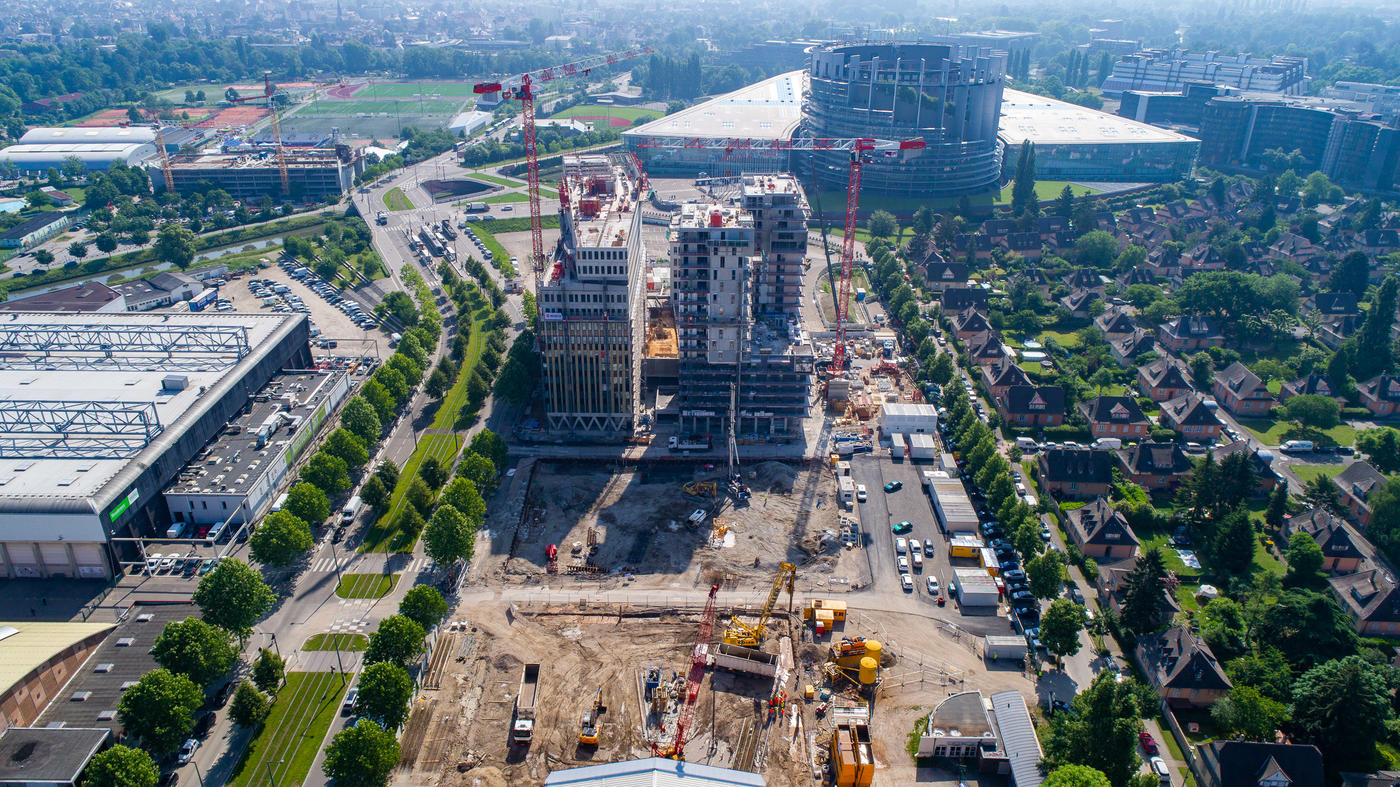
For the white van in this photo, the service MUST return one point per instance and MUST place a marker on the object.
(352, 507)
(1300, 446)
(1025, 443)
(176, 530)
(1108, 442)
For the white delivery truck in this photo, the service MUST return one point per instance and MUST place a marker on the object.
(352, 507)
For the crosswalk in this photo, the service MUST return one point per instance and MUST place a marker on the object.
(327, 565)
(353, 616)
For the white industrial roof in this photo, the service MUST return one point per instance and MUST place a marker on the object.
(102, 153)
(1018, 738)
(654, 772)
(770, 109)
(898, 409)
(81, 477)
(1044, 120)
(126, 135)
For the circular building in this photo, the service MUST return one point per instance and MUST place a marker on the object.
(949, 94)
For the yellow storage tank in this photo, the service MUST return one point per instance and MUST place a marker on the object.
(855, 661)
(869, 670)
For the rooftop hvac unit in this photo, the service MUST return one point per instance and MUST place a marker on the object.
(175, 382)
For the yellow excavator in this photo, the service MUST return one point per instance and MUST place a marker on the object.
(741, 633)
(592, 721)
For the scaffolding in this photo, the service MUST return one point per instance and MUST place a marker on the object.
(44, 429)
(175, 347)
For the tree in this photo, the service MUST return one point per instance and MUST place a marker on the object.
(1306, 626)
(1320, 492)
(361, 756)
(195, 649)
(361, 420)
(1064, 204)
(385, 692)
(1248, 713)
(38, 199)
(1351, 274)
(77, 250)
(1278, 506)
(432, 472)
(159, 709)
(448, 537)
(351, 450)
(419, 495)
(1342, 707)
(374, 494)
(1382, 447)
(1026, 538)
(1076, 775)
(1046, 573)
(281, 539)
(1375, 332)
(400, 307)
(233, 596)
(462, 495)
(327, 471)
(268, 671)
(105, 242)
(1232, 549)
(308, 503)
(398, 640)
(249, 706)
(1223, 627)
(121, 766)
(1060, 626)
(942, 370)
(478, 469)
(1202, 369)
(1101, 733)
(1142, 599)
(423, 605)
(881, 224)
(1314, 410)
(1304, 559)
(1023, 184)
(1096, 249)
(388, 472)
(175, 244)
(490, 445)
(44, 257)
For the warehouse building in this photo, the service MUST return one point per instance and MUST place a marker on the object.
(1081, 144)
(36, 660)
(974, 587)
(99, 412)
(48, 756)
(35, 229)
(90, 296)
(909, 419)
(314, 174)
(652, 772)
(956, 516)
(42, 149)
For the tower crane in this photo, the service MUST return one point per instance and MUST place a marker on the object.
(698, 661)
(164, 160)
(741, 633)
(862, 150)
(521, 88)
(269, 90)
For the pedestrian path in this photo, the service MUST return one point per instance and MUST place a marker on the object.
(352, 617)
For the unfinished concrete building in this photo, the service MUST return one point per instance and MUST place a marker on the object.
(592, 303)
(779, 211)
(724, 343)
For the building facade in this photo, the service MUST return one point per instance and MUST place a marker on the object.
(1169, 70)
(779, 211)
(592, 303)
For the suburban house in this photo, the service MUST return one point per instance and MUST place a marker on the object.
(1356, 484)
(1137, 276)
(1337, 309)
(1162, 380)
(1155, 466)
(1076, 472)
(1079, 301)
(1372, 600)
(979, 245)
(941, 274)
(1340, 554)
(986, 349)
(1115, 321)
(1026, 244)
(1189, 334)
(1002, 374)
(1314, 384)
(1100, 532)
(955, 299)
(1189, 415)
(1242, 392)
(1381, 395)
(1115, 416)
(1182, 668)
(1125, 348)
(1029, 405)
(1261, 459)
(969, 324)
(1232, 763)
(1084, 279)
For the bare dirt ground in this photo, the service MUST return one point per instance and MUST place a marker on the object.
(641, 527)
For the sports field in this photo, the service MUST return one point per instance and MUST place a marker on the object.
(365, 585)
(287, 743)
(620, 115)
(400, 107)
(410, 89)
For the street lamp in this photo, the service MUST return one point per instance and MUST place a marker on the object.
(197, 773)
(274, 644)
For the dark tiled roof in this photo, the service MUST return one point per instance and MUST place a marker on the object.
(1037, 400)
(1099, 524)
(1328, 530)
(1078, 465)
(1338, 303)
(1083, 278)
(1178, 659)
(1245, 763)
(1155, 459)
(1135, 343)
(970, 319)
(1238, 378)
(1112, 409)
(1115, 320)
(1312, 384)
(1079, 300)
(959, 298)
(1005, 372)
(1162, 373)
(1360, 479)
(1201, 327)
(1370, 596)
(1189, 409)
(1385, 387)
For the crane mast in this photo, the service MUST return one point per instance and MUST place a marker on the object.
(698, 658)
(269, 90)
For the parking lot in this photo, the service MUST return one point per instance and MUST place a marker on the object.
(334, 324)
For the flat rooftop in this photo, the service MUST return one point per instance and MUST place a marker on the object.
(701, 215)
(42, 755)
(601, 201)
(1045, 121)
(770, 109)
(86, 297)
(760, 185)
(115, 362)
(234, 461)
(257, 159)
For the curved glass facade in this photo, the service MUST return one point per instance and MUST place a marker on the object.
(948, 94)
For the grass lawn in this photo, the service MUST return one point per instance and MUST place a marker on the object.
(509, 196)
(497, 179)
(1068, 341)
(396, 200)
(392, 107)
(1270, 432)
(833, 204)
(409, 89)
(365, 585)
(346, 641)
(500, 258)
(287, 743)
(1307, 473)
(1047, 190)
(628, 114)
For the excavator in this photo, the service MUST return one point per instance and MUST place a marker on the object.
(741, 633)
(592, 721)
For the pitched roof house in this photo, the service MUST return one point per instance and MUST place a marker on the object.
(1115, 321)
(1182, 668)
(1313, 384)
(1076, 472)
(1125, 348)
(1189, 415)
(1189, 334)
(1381, 395)
(1115, 416)
(1356, 484)
(1249, 764)
(1162, 380)
(1028, 405)
(1155, 466)
(1340, 553)
(1372, 600)
(1002, 374)
(1242, 392)
(1100, 532)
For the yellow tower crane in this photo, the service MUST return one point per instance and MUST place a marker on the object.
(741, 633)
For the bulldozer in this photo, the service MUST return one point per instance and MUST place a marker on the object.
(592, 721)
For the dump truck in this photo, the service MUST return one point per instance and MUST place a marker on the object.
(523, 726)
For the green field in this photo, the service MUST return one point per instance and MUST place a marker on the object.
(1271, 432)
(396, 200)
(1307, 473)
(497, 179)
(1046, 190)
(345, 641)
(500, 259)
(408, 89)
(393, 107)
(365, 585)
(602, 110)
(288, 741)
(509, 196)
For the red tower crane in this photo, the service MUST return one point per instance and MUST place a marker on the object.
(698, 659)
(269, 90)
(521, 87)
(862, 150)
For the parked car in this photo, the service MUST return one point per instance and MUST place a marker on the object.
(902, 527)
(908, 582)
(1149, 744)
(894, 486)
(860, 492)
(187, 750)
(932, 583)
(928, 547)
(900, 546)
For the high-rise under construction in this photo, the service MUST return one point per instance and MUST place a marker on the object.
(591, 302)
(736, 334)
